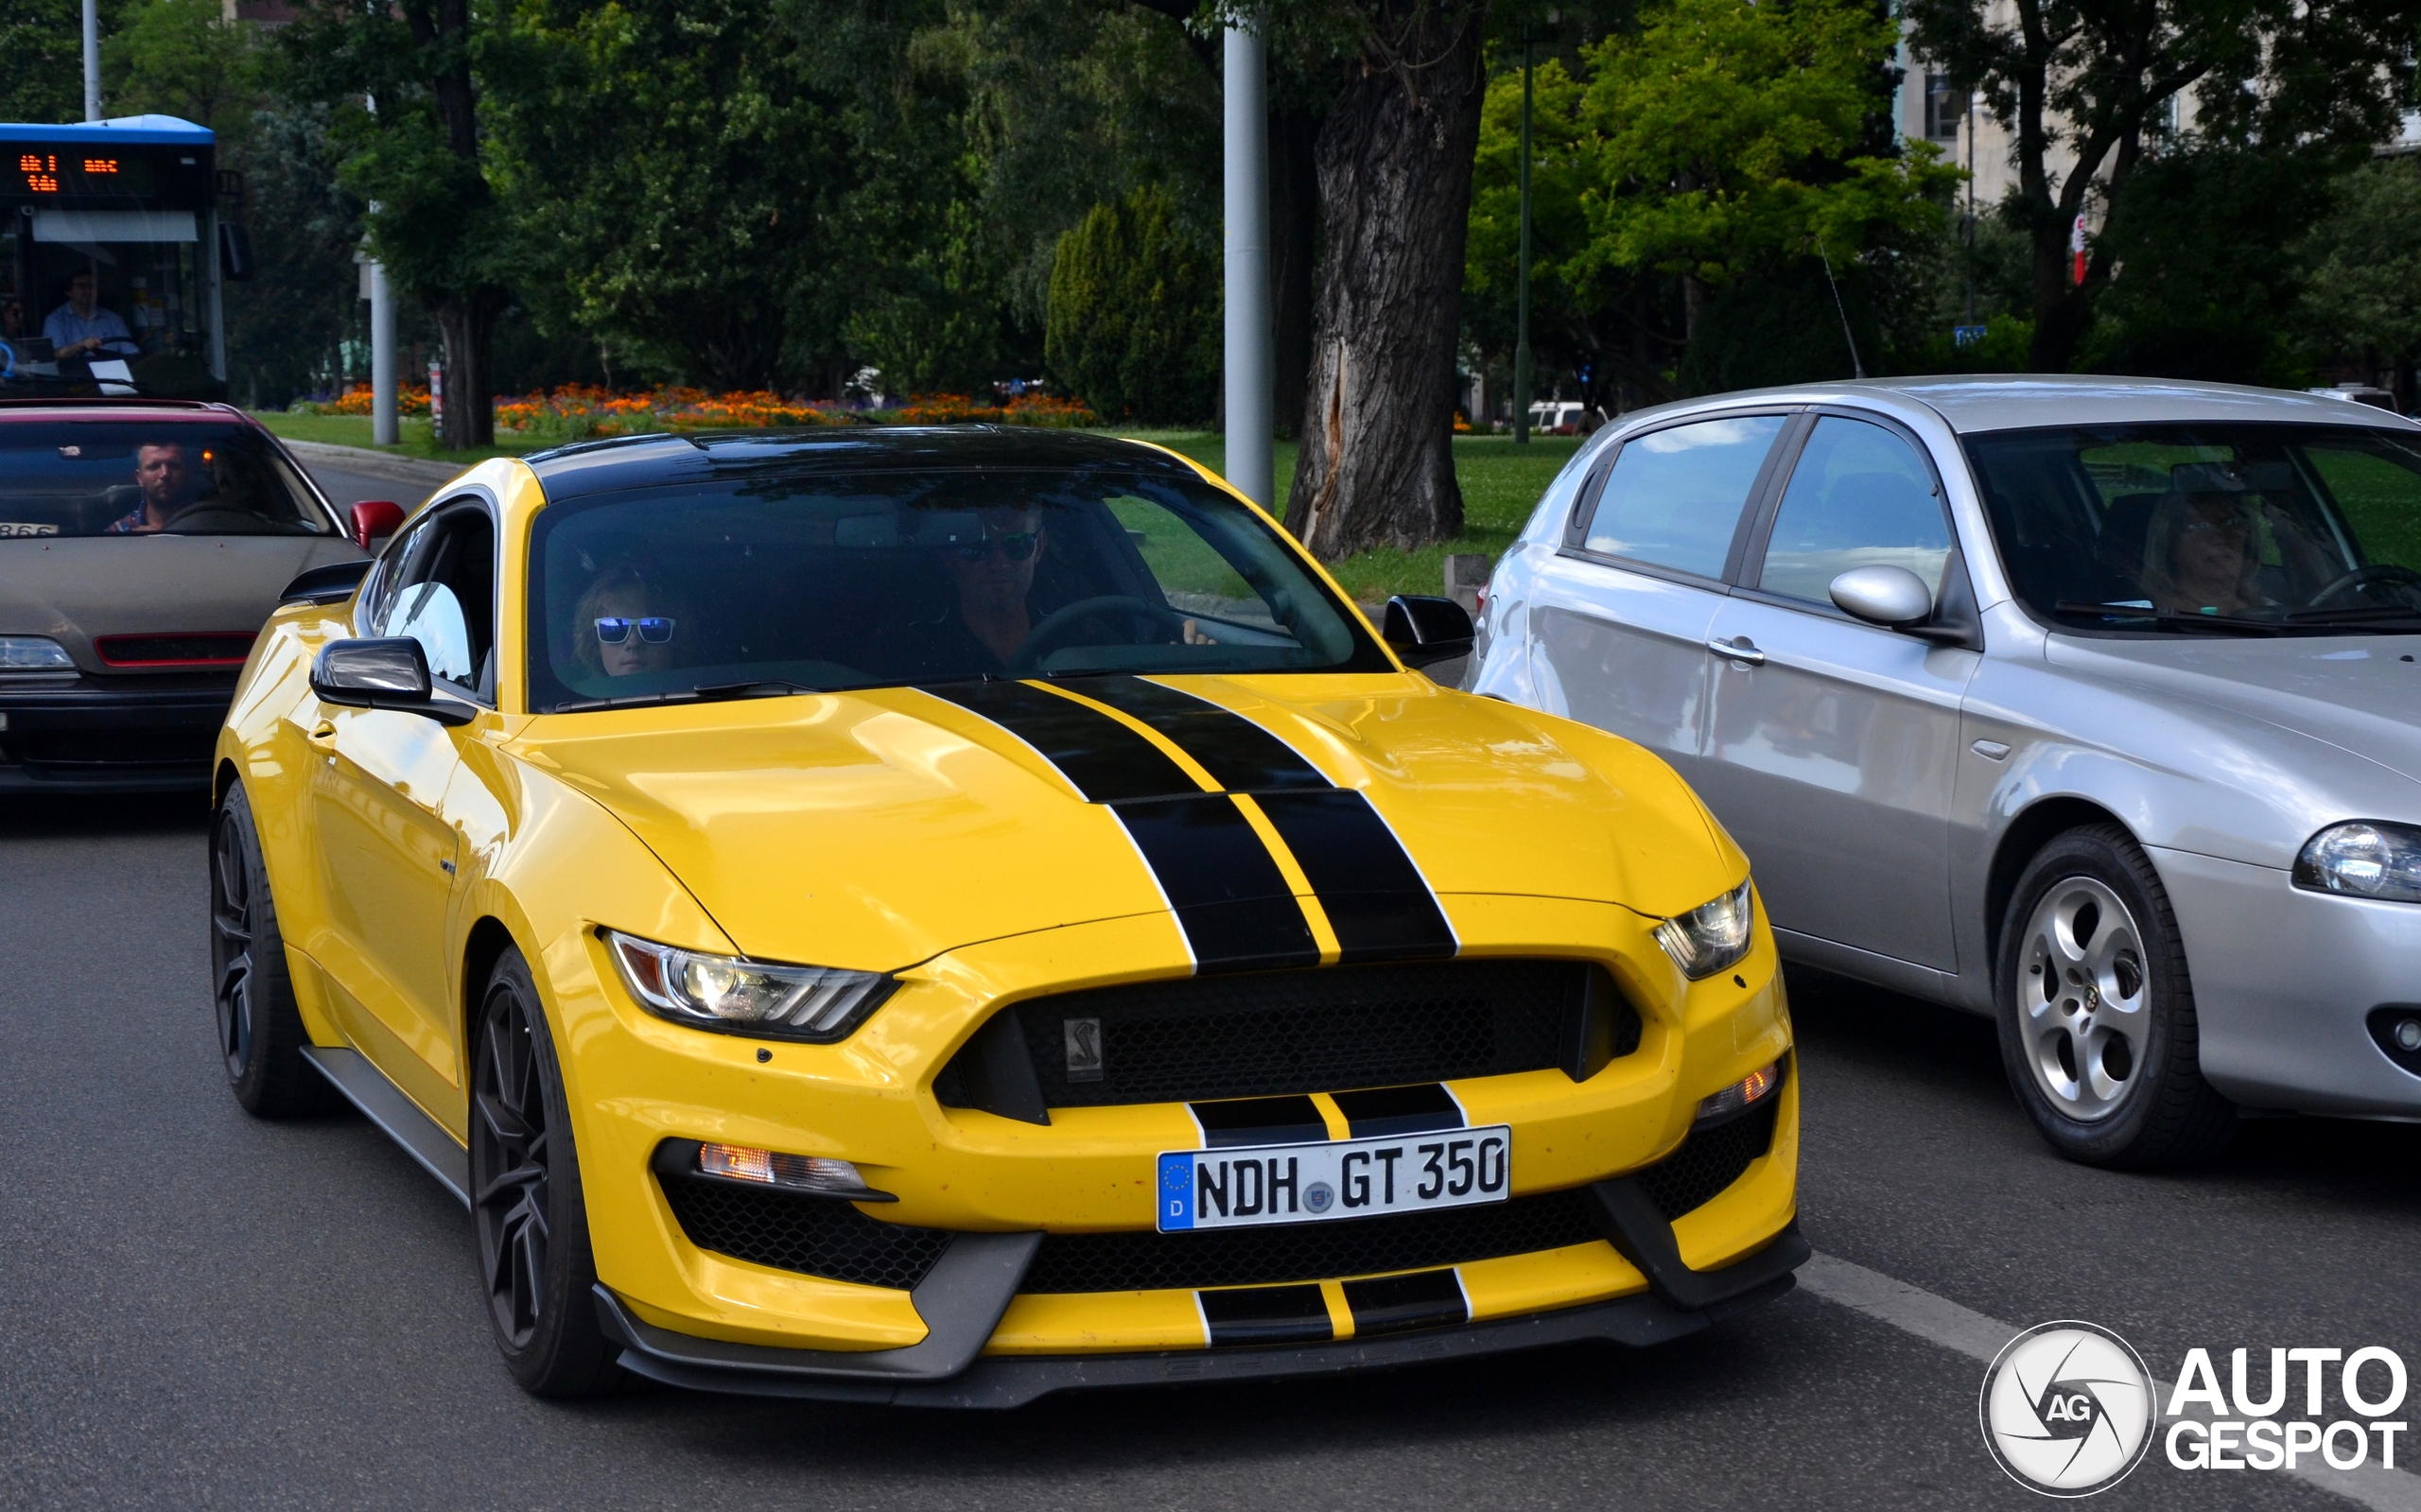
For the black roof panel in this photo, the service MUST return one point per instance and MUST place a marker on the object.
(655, 461)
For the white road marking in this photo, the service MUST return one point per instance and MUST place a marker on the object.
(1941, 1321)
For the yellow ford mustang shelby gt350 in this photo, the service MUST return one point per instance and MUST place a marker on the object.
(946, 916)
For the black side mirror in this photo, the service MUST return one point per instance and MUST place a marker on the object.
(1422, 631)
(331, 584)
(392, 673)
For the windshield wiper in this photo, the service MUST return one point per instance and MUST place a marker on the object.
(2166, 617)
(754, 687)
(633, 700)
(2352, 614)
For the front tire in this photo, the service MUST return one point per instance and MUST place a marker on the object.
(2098, 1029)
(536, 1266)
(260, 1027)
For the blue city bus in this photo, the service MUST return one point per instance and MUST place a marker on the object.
(134, 202)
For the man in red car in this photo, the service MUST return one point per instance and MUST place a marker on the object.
(164, 471)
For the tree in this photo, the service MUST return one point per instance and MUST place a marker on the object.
(2206, 277)
(2086, 88)
(2364, 291)
(1727, 137)
(1693, 170)
(1393, 159)
(674, 175)
(1134, 312)
(42, 59)
(398, 78)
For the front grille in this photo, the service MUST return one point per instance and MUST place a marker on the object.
(1691, 1176)
(818, 1236)
(220, 649)
(1278, 1033)
(102, 746)
(1310, 1252)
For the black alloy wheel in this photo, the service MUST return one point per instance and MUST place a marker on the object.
(2097, 1030)
(260, 1028)
(534, 1260)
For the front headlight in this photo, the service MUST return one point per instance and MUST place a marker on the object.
(34, 654)
(2363, 859)
(755, 998)
(1710, 937)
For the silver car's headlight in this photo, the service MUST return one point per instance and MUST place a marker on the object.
(2363, 859)
(755, 998)
(34, 654)
(1710, 937)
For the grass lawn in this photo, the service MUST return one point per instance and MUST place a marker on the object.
(1501, 484)
(354, 430)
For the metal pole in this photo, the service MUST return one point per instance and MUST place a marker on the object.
(91, 59)
(383, 431)
(1522, 271)
(1250, 366)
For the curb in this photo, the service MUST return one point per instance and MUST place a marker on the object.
(428, 475)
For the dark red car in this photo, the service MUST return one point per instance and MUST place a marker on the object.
(141, 544)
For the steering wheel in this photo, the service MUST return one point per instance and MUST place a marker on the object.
(1045, 638)
(2362, 576)
(218, 519)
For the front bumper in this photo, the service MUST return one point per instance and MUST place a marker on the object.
(963, 1302)
(1064, 1308)
(2285, 983)
(92, 735)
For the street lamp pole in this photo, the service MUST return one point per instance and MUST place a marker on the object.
(1250, 367)
(1522, 271)
(91, 59)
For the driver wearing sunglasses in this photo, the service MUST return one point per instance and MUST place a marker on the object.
(993, 581)
(625, 625)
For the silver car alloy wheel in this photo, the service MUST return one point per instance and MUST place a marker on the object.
(2085, 1003)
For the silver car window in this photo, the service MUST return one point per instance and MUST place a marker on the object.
(1675, 495)
(1858, 497)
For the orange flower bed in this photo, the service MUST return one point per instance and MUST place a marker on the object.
(1026, 409)
(410, 401)
(585, 410)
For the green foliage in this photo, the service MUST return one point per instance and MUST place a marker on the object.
(673, 172)
(1701, 159)
(42, 60)
(1726, 135)
(184, 58)
(2206, 281)
(285, 326)
(2364, 290)
(1134, 312)
(2084, 86)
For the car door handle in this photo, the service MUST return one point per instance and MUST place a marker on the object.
(326, 732)
(1738, 649)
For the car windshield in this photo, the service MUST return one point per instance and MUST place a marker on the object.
(829, 582)
(2209, 528)
(127, 477)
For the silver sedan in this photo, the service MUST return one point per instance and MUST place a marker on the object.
(2088, 703)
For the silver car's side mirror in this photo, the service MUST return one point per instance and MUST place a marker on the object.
(1883, 596)
(388, 673)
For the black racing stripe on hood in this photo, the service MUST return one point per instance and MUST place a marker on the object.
(1376, 899)
(1240, 756)
(1230, 899)
(1105, 760)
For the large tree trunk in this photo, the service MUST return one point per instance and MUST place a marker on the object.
(1377, 464)
(468, 326)
(1293, 258)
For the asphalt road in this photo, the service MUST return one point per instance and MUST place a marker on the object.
(198, 1309)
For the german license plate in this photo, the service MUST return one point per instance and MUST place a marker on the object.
(1252, 1185)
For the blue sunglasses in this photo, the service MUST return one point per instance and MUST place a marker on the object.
(655, 632)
